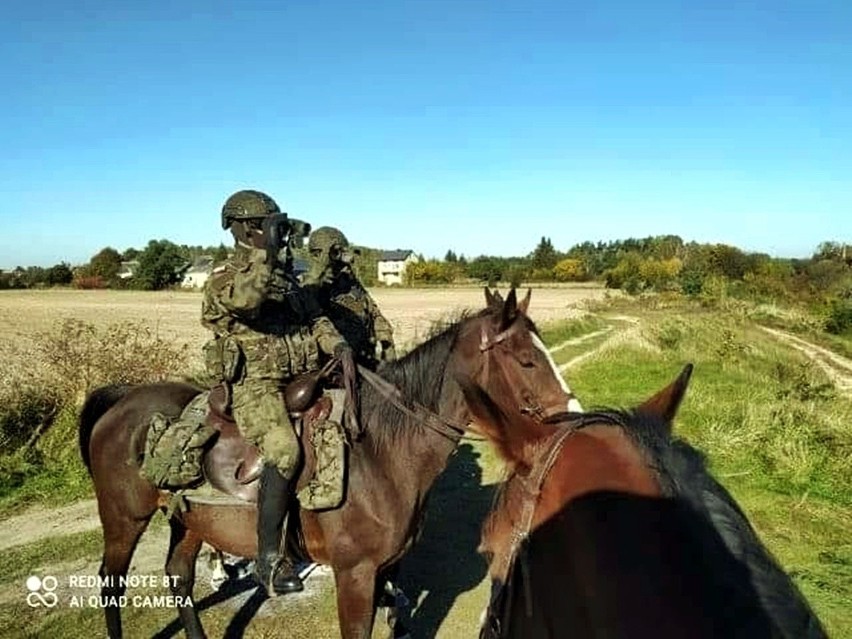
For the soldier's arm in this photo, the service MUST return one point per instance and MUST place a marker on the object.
(381, 326)
(322, 329)
(243, 290)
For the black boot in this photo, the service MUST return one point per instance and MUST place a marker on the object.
(273, 570)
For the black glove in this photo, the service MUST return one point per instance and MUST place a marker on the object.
(343, 352)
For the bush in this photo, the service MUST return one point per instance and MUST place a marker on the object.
(39, 400)
(839, 318)
(670, 335)
(83, 357)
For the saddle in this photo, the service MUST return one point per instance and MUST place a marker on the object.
(232, 465)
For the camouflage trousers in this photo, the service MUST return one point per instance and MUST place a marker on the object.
(258, 407)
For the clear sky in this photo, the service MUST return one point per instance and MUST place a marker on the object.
(473, 125)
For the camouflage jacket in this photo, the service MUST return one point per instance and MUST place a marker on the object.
(265, 325)
(355, 315)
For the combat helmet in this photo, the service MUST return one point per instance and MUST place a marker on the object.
(326, 238)
(247, 205)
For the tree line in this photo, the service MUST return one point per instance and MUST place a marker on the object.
(652, 264)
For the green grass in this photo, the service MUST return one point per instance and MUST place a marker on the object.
(555, 333)
(773, 432)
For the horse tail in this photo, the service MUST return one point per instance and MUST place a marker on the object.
(97, 403)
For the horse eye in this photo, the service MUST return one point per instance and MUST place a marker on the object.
(525, 358)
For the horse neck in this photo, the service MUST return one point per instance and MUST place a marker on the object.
(421, 376)
(596, 458)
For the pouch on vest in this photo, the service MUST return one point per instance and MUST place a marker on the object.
(213, 358)
(232, 359)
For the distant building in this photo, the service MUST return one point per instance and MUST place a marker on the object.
(127, 269)
(196, 275)
(392, 265)
(198, 272)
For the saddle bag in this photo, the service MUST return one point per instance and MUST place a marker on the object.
(174, 449)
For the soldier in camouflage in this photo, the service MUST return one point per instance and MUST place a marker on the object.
(267, 329)
(344, 299)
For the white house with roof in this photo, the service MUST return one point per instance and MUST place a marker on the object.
(127, 269)
(198, 272)
(392, 265)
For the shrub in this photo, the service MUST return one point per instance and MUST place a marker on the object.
(839, 317)
(83, 356)
(669, 335)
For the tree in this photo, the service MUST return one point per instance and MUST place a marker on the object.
(486, 268)
(728, 261)
(430, 272)
(660, 274)
(160, 265)
(220, 254)
(569, 270)
(59, 275)
(105, 264)
(451, 256)
(544, 256)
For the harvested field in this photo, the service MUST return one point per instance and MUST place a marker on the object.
(175, 314)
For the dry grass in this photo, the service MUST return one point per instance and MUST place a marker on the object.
(175, 315)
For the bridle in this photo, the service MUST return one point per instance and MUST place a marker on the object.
(514, 557)
(532, 484)
(530, 405)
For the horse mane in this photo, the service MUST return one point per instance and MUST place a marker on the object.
(682, 471)
(419, 375)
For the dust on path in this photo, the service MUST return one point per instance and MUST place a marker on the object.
(836, 367)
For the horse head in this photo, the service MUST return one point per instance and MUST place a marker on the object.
(502, 346)
(549, 465)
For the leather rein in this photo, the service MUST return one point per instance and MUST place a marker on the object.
(532, 483)
(454, 431)
(419, 413)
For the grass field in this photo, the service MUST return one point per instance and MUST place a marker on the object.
(776, 428)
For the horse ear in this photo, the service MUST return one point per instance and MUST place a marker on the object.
(664, 405)
(493, 423)
(510, 310)
(524, 304)
(492, 300)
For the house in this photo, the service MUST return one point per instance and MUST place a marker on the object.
(198, 272)
(127, 269)
(392, 265)
(196, 275)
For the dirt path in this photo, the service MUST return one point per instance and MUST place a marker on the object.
(836, 367)
(38, 523)
(629, 333)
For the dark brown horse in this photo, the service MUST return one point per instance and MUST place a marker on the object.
(390, 469)
(609, 527)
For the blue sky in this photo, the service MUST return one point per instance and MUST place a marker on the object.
(473, 125)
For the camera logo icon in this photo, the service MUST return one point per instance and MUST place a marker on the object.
(41, 591)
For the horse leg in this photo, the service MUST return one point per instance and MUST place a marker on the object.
(120, 538)
(356, 610)
(216, 561)
(180, 567)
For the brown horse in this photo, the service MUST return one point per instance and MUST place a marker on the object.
(609, 527)
(391, 468)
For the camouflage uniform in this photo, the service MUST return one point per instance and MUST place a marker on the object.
(267, 330)
(344, 299)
